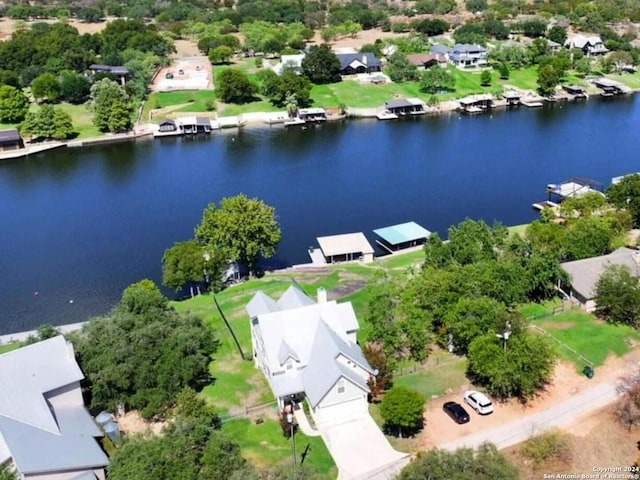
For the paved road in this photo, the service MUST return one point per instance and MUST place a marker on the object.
(560, 415)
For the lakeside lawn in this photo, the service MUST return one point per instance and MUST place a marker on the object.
(583, 332)
(631, 80)
(191, 101)
(9, 347)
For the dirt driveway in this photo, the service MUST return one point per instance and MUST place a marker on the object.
(567, 384)
(185, 73)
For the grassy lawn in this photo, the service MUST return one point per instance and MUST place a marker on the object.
(588, 336)
(358, 95)
(264, 444)
(197, 101)
(323, 96)
(403, 261)
(630, 79)
(518, 229)
(443, 370)
(8, 347)
(258, 106)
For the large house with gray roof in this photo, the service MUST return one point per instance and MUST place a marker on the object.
(45, 431)
(353, 63)
(308, 350)
(468, 55)
(585, 273)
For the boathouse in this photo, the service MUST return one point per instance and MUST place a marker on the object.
(167, 126)
(406, 106)
(344, 248)
(609, 87)
(401, 236)
(575, 187)
(476, 103)
(195, 124)
(312, 114)
(576, 90)
(512, 98)
(10, 140)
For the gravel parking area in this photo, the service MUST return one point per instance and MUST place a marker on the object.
(186, 73)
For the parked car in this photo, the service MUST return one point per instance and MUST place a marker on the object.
(456, 412)
(478, 401)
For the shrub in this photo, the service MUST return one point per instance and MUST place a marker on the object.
(547, 446)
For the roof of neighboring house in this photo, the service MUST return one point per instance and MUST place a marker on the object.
(365, 58)
(467, 48)
(315, 335)
(41, 434)
(402, 233)
(579, 41)
(440, 49)
(422, 58)
(10, 135)
(346, 243)
(586, 273)
(115, 69)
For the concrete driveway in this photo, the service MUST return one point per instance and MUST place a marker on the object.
(361, 451)
(559, 415)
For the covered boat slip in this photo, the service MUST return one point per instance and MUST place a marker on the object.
(401, 236)
(343, 248)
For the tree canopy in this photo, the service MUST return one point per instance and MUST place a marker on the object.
(111, 106)
(144, 353)
(321, 65)
(234, 86)
(626, 194)
(485, 463)
(47, 123)
(244, 228)
(14, 104)
(618, 296)
(402, 410)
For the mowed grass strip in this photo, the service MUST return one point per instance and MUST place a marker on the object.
(588, 336)
(264, 444)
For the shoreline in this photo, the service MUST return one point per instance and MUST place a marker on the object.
(254, 119)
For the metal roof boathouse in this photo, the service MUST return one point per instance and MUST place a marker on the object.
(342, 248)
(401, 236)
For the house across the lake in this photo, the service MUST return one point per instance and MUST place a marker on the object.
(309, 350)
(118, 70)
(46, 432)
(10, 140)
(589, 44)
(425, 61)
(354, 63)
(468, 55)
(586, 273)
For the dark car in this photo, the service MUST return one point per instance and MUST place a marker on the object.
(456, 411)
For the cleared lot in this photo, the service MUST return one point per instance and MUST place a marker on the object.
(187, 73)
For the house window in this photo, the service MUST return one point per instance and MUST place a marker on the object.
(341, 386)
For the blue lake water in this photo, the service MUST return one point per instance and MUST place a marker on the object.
(82, 224)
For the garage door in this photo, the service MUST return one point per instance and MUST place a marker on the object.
(342, 411)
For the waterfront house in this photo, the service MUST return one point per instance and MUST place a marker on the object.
(425, 61)
(554, 47)
(354, 63)
(440, 49)
(118, 70)
(589, 44)
(586, 273)
(402, 236)
(45, 431)
(10, 140)
(193, 125)
(309, 350)
(468, 55)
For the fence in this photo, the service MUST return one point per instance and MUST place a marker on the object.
(248, 410)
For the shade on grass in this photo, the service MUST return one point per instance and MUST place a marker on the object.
(192, 101)
(264, 444)
(436, 379)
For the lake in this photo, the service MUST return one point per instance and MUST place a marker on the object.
(79, 225)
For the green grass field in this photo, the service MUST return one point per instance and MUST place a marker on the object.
(9, 347)
(194, 101)
(264, 444)
(630, 79)
(588, 336)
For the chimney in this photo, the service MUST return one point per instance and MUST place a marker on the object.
(322, 295)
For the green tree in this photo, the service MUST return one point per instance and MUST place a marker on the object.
(62, 124)
(618, 296)
(400, 69)
(557, 34)
(470, 318)
(221, 54)
(548, 79)
(321, 65)
(378, 359)
(143, 353)
(74, 88)
(485, 78)
(234, 86)
(186, 264)
(437, 79)
(588, 237)
(112, 110)
(476, 5)
(485, 463)
(7, 473)
(246, 228)
(14, 104)
(46, 87)
(503, 69)
(47, 123)
(519, 370)
(626, 194)
(402, 408)
(282, 88)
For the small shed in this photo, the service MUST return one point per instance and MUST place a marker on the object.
(167, 125)
(401, 236)
(476, 103)
(346, 247)
(10, 140)
(313, 114)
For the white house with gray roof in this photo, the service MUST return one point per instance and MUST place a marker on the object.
(309, 350)
(45, 431)
(585, 273)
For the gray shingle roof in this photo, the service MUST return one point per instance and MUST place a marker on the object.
(366, 58)
(586, 273)
(44, 432)
(9, 135)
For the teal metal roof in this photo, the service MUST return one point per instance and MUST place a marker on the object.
(404, 232)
